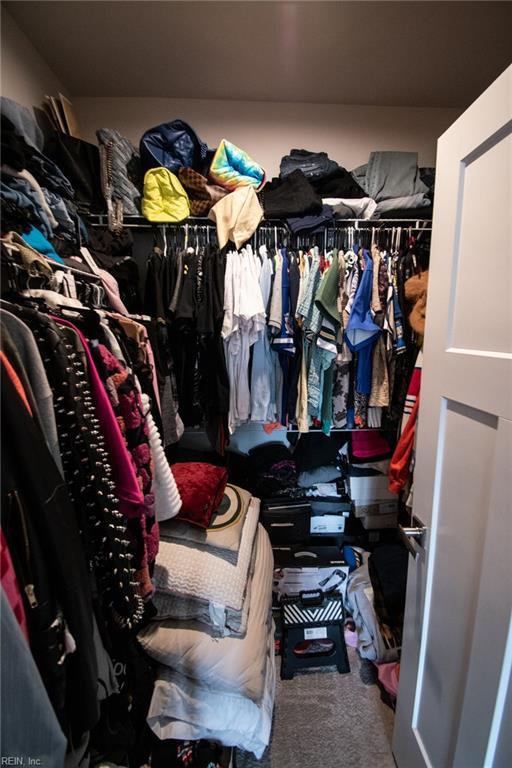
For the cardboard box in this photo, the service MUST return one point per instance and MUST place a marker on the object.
(377, 507)
(289, 582)
(372, 522)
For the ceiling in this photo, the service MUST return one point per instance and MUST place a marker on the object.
(431, 54)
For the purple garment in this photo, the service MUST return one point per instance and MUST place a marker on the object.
(131, 500)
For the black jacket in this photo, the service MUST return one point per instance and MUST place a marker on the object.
(34, 494)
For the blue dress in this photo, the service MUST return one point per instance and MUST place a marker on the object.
(361, 332)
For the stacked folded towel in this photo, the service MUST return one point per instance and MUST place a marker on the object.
(213, 636)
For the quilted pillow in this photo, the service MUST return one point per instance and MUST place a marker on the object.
(201, 487)
(232, 167)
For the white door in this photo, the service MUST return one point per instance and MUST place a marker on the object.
(454, 706)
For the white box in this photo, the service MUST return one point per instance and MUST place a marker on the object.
(370, 488)
(327, 524)
(375, 507)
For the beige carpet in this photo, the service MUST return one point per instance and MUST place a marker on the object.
(327, 720)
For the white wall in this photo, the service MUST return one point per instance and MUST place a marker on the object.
(267, 131)
(25, 76)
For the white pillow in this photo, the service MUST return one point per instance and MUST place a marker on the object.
(230, 663)
(183, 709)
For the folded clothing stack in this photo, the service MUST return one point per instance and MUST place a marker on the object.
(312, 189)
(272, 471)
(393, 180)
(213, 636)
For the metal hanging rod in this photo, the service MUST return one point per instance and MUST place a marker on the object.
(56, 267)
(139, 222)
(292, 428)
(79, 273)
(101, 220)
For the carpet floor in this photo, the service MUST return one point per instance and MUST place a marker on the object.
(326, 720)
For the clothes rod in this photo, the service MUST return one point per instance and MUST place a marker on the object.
(58, 267)
(317, 430)
(101, 219)
(292, 429)
(138, 222)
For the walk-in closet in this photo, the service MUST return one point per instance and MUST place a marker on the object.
(256, 384)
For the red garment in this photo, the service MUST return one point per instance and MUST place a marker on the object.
(201, 488)
(11, 587)
(369, 446)
(413, 390)
(16, 381)
(389, 675)
(128, 491)
(401, 459)
(127, 406)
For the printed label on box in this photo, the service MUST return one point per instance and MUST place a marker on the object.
(318, 633)
(289, 582)
(327, 524)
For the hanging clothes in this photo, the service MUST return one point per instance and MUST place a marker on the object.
(42, 532)
(244, 318)
(263, 406)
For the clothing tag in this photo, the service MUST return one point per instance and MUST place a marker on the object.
(89, 260)
(368, 591)
(217, 615)
(315, 633)
(69, 641)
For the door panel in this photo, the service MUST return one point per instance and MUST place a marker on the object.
(465, 487)
(456, 637)
(480, 251)
(492, 629)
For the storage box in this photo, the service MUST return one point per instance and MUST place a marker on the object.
(377, 507)
(372, 522)
(322, 505)
(305, 567)
(370, 488)
(289, 582)
(304, 556)
(287, 521)
(328, 515)
(327, 525)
